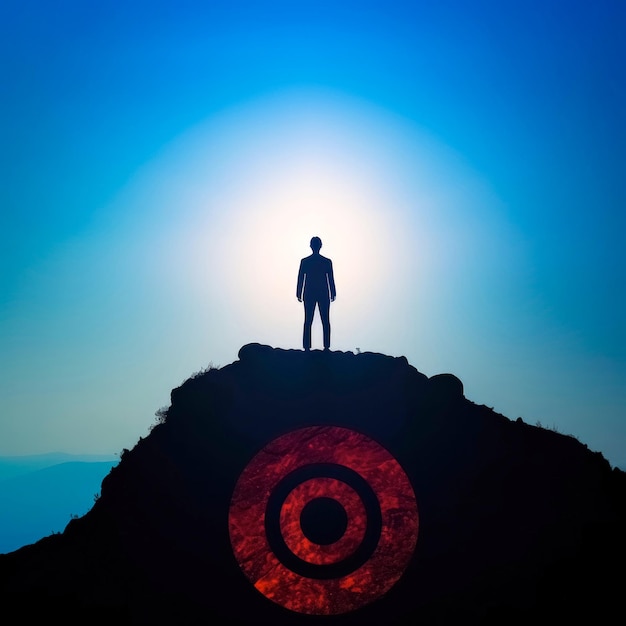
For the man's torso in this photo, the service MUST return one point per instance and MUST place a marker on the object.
(316, 269)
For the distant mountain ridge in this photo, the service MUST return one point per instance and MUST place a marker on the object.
(14, 465)
(517, 524)
(37, 502)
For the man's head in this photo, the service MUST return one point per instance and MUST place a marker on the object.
(316, 244)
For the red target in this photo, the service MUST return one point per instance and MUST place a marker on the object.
(323, 520)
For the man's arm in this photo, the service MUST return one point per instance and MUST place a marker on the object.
(300, 284)
(331, 280)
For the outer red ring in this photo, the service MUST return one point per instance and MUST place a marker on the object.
(323, 444)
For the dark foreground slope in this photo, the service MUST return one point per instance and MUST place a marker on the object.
(516, 523)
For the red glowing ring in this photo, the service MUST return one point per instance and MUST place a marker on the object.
(291, 530)
(283, 457)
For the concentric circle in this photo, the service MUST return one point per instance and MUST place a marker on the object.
(323, 520)
(293, 522)
(343, 562)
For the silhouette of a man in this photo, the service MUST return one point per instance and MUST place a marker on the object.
(316, 286)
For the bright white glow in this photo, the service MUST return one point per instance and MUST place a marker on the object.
(241, 196)
(267, 228)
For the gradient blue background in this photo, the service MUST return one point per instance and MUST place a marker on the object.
(520, 104)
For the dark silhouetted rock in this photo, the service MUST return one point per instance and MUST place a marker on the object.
(517, 524)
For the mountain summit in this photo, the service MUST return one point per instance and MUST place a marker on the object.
(328, 487)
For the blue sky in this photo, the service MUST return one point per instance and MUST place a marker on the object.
(158, 157)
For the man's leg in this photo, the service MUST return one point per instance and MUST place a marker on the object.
(309, 311)
(325, 315)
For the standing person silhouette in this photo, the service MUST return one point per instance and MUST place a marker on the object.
(316, 286)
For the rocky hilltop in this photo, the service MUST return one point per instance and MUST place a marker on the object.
(474, 518)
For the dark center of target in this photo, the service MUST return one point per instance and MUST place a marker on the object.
(323, 521)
